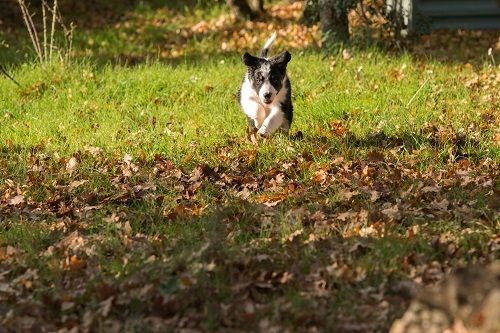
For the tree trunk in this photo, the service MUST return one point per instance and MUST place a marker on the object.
(241, 9)
(334, 23)
(310, 15)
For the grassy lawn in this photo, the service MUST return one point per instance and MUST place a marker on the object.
(131, 199)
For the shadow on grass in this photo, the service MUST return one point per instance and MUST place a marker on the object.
(457, 145)
(322, 271)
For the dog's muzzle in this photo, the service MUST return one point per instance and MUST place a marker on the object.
(268, 98)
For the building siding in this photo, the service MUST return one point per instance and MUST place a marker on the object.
(425, 15)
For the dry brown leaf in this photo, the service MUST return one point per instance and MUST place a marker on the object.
(71, 165)
(105, 307)
(76, 183)
(17, 200)
(74, 263)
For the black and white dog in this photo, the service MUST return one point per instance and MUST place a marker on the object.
(266, 94)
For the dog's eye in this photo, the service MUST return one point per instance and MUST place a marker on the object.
(258, 78)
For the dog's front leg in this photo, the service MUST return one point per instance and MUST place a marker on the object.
(272, 122)
(256, 115)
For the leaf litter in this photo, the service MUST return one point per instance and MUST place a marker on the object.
(334, 217)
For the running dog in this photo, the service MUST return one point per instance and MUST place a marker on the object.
(265, 95)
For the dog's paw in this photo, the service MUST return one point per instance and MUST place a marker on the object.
(252, 135)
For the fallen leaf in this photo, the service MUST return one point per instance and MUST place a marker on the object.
(392, 212)
(375, 156)
(440, 205)
(76, 183)
(74, 263)
(105, 307)
(186, 281)
(17, 200)
(127, 229)
(127, 158)
(347, 194)
(65, 306)
(71, 165)
(337, 128)
(346, 55)
(6, 289)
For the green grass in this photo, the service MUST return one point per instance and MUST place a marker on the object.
(171, 247)
(159, 108)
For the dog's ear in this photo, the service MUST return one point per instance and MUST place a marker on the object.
(250, 60)
(282, 59)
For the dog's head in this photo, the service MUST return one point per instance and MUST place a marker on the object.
(267, 75)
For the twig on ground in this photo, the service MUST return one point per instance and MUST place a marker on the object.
(416, 93)
(4, 72)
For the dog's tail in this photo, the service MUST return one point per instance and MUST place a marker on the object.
(267, 46)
